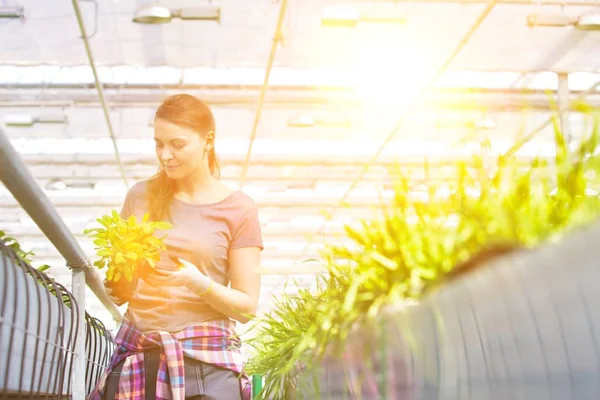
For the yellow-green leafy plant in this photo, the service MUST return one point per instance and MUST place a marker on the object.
(24, 255)
(292, 321)
(126, 245)
(415, 242)
(45, 281)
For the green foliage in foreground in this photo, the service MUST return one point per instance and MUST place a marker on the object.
(416, 242)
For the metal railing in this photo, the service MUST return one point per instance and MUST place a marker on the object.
(38, 330)
(17, 179)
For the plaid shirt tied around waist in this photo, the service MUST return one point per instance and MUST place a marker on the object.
(212, 343)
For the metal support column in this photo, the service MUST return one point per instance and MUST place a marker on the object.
(563, 104)
(100, 90)
(78, 388)
(277, 38)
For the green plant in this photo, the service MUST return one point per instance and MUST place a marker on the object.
(46, 282)
(416, 242)
(287, 335)
(24, 255)
(125, 245)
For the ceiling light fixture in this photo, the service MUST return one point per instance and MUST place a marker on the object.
(23, 120)
(19, 120)
(59, 185)
(343, 16)
(156, 14)
(302, 121)
(12, 12)
(588, 22)
(560, 20)
(483, 124)
(308, 121)
(550, 20)
(56, 184)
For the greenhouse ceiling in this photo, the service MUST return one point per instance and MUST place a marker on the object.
(422, 32)
(398, 81)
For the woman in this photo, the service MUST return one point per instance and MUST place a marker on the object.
(177, 339)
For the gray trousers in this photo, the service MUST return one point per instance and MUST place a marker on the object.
(202, 381)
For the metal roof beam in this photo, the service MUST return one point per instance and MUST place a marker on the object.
(287, 267)
(515, 99)
(581, 3)
(271, 160)
(116, 202)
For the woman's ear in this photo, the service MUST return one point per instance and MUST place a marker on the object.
(210, 141)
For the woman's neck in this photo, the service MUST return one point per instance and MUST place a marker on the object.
(196, 184)
(201, 190)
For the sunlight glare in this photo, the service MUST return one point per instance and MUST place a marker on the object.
(391, 76)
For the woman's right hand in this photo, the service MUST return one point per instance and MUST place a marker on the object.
(117, 292)
(109, 292)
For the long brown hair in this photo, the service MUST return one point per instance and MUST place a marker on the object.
(185, 111)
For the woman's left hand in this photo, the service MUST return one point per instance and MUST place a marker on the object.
(188, 275)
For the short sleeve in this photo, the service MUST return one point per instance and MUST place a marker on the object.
(249, 232)
(127, 209)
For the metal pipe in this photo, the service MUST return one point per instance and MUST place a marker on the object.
(547, 61)
(17, 179)
(160, 89)
(78, 387)
(166, 86)
(264, 179)
(543, 126)
(84, 203)
(316, 201)
(580, 3)
(35, 103)
(563, 104)
(278, 266)
(464, 40)
(21, 184)
(297, 160)
(88, 51)
(276, 39)
(274, 233)
(451, 98)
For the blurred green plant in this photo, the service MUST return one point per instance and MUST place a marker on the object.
(47, 282)
(23, 254)
(418, 240)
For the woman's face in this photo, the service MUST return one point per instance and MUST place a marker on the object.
(180, 150)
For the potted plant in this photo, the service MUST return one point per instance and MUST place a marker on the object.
(412, 247)
(127, 248)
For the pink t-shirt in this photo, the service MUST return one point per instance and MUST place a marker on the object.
(202, 234)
